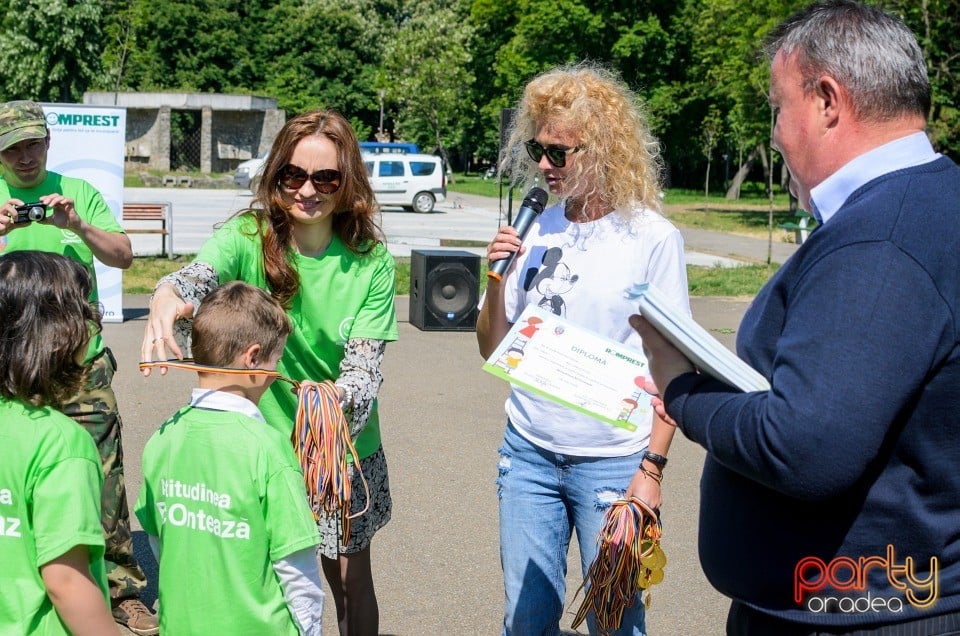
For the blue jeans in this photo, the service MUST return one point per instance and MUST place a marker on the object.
(543, 497)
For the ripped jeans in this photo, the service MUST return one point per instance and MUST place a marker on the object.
(543, 497)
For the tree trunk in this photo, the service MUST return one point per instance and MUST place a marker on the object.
(767, 169)
(706, 186)
(733, 192)
(440, 148)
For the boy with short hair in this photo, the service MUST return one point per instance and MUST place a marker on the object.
(223, 500)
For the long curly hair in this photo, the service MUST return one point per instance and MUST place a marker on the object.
(47, 323)
(354, 220)
(620, 162)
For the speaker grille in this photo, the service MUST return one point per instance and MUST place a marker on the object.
(451, 292)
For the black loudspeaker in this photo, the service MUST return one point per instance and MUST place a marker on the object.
(444, 290)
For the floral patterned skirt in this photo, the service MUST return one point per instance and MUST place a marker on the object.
(363, 527)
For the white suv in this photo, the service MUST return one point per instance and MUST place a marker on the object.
(248, 171)
(412, 181)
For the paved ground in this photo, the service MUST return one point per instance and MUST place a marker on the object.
(437, 566)
(437, 562)
(462, 217)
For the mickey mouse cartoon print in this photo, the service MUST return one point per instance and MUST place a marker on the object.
(552, 281)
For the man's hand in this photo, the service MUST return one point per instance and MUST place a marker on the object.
(64, 214)
(8, 214)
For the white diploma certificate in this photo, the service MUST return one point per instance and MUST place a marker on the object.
(575, 367)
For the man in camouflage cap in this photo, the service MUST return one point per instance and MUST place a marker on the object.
(20, 121)
(80, 225)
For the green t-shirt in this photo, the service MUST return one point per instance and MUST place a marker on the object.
(90, 207)
(50, 483)
(342, 295)
(224, 493)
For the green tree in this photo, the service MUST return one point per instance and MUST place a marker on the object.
(190, 45)
(426, 75)
(337, 67)
(49, 49)
(936, 24)
(492, 22)
(710, 130)
(726, 72)
(518, 39)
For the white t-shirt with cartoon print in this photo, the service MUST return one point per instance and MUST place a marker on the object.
(580, 272)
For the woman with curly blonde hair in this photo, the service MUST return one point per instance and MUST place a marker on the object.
(582, 132)
(311, 240)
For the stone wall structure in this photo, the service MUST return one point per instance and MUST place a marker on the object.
(233, 128)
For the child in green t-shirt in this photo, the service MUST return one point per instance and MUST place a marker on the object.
(51, 542)
(223, 500)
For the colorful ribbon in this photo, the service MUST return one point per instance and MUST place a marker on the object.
(629, 558)
(321, 441)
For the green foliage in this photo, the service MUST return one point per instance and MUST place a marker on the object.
(184, 45)
(49, 49)
(425, 75)
(332, 68)
(936, 24)
(448, 68)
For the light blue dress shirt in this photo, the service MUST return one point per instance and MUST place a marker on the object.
(906, 152)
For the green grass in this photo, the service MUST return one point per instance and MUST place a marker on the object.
(751, 193)
(147, 270)
(133, 178)
(475, 184)
(751, 222)
(745, 280)
(703, 281)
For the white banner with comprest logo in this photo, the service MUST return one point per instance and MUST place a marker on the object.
(88, 142)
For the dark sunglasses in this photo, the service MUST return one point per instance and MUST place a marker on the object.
(325, 181)
(556, 156)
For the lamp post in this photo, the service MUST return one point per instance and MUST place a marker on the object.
(380, 129)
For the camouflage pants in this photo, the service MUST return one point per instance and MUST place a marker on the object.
(95, 409)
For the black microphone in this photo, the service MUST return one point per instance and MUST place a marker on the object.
(532, 206)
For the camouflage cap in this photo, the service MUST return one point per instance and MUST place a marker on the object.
(21, 120)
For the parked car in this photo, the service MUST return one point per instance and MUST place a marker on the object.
(248, 171)
(412, 181)
(386, 147)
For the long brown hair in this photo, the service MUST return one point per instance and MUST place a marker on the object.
(47, 322)
(356, 207)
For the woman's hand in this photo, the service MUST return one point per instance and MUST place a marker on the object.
(505, 243)
(646, 489)
(166, 307)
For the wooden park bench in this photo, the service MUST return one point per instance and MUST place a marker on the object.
(161, 212)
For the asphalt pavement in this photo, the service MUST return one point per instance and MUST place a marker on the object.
(461, 218)
(436, 563)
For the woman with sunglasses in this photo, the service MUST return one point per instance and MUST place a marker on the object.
(311, 240)
(580, 131)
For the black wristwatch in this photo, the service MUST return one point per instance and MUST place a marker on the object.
(657, 460)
